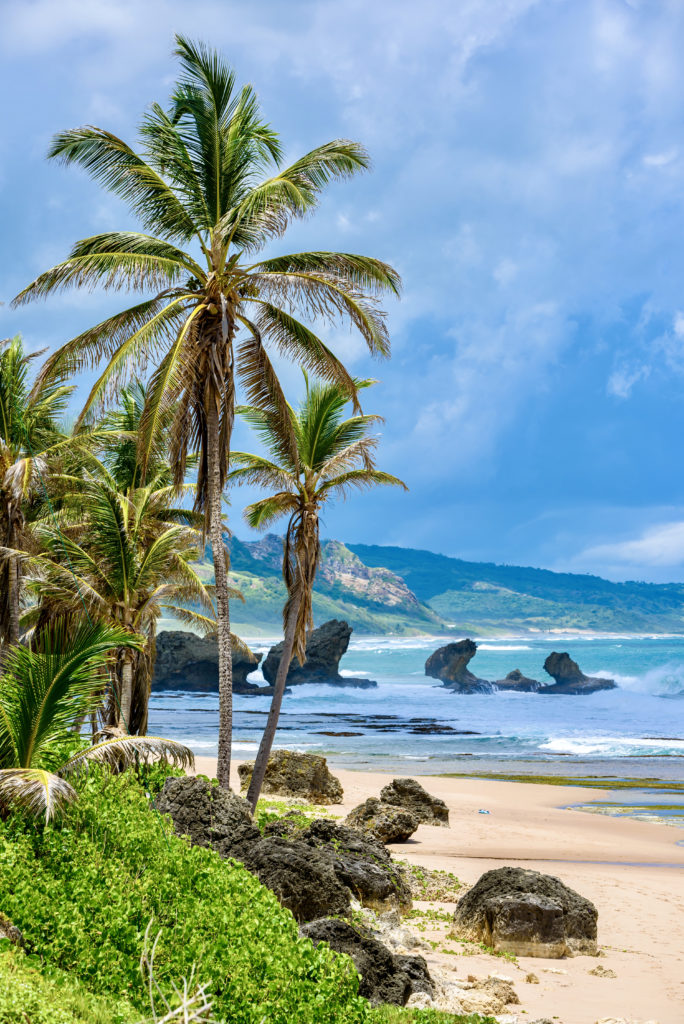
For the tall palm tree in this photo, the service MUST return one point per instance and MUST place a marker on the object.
(316, 455)
(121, 556)
(30, 437)
(209, 189)
(43, 693)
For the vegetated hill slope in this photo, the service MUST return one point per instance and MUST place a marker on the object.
(499, 598)
(372, 600)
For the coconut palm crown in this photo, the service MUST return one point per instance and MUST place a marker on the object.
(316, 455)
(208, 188)
(44, 693)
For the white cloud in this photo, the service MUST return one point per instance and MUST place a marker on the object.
(622, 381)
(661, 545)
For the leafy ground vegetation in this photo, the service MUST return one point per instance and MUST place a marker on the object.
(84, 890)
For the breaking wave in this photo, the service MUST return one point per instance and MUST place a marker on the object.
(662, 681)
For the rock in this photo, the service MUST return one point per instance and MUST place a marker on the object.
(8, 930)
(450, 664)
(531, 978)
(384, 976)
(360, 863)
(185, 661)
(303, 879)
(603, 972)
(515, 680)
(206, 813)
(384, 822)
(526, 913)
(289, 773)
(324, 649)
(410, 795)
(569, 677)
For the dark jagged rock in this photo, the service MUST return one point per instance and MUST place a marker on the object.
(324, 650)
(8, 930)
(361, 863)
(517, 681)
(524, 912)
(186, 661)
(384, 822)
(570, 678)
(290, 773)
(303, 879)
(206, 813)
(410, 795)
(450, 664)
(385, 977)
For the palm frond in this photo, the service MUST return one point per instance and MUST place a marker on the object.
(125, 751)
(34, 790)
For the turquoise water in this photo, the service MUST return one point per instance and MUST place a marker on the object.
(410, 724)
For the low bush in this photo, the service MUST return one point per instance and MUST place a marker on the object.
(83, 891)
(396, 1015)
(27, 993)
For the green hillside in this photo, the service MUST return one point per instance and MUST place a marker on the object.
(501, 598)
(406, 591)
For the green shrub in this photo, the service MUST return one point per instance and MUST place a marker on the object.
(83, 893)
(26, 994)
(396, 1015)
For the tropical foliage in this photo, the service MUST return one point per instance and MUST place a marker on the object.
(44, 693)
(208, 188)
(314, 455)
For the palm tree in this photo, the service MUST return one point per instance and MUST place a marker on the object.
(43, 693)
(210, 192)
(30, 437)
(316, 455)
(121, 556)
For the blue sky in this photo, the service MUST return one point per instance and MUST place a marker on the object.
(528, 183)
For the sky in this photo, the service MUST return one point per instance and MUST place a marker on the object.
(527, 183)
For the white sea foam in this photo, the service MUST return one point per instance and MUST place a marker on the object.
(613, 746)
(504, 647)
(347, 672)
(663, 680)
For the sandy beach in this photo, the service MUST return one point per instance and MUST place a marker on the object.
(633, 871)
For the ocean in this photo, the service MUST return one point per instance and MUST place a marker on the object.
(410, 725)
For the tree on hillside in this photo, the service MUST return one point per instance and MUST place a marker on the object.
(316, 455)
(209, 191)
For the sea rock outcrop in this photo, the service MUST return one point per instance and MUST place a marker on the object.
(361, 863)
(514, 910)
(324, 650)
(409, 794)
(450, 664)
(515, 680)
(186, 661)
(385, 977)
(289, 773)
(382, 821)
(570, 679)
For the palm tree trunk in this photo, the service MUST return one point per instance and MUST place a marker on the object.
(14, 584)
(264, 752)
(126, 697)
(225, 661)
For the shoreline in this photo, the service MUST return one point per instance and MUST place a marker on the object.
(632, 870)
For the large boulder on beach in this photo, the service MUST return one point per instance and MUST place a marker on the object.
(384, 976)
(409, 794)
(360, 863)
(185, 661)
(382, 821)
(450, 664)
(519, 683)
(569, 677)
(294, 774)
(325, 647)
(208, 814)
(514, 910)
(303, 879)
